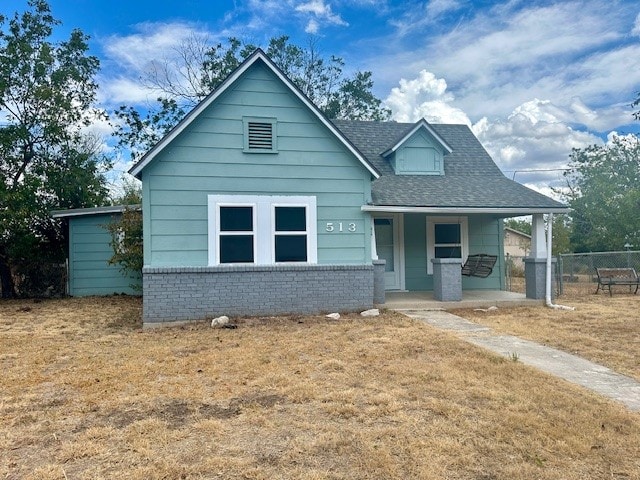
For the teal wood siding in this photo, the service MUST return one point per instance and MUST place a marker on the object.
(89, 254)
(484, 237)
(207, 158)
(420, 155)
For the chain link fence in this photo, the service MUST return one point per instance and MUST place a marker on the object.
(575, 273)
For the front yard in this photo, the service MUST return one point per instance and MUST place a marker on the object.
(85, 393)
(603, 329)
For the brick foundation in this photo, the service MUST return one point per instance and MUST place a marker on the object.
(178, 294)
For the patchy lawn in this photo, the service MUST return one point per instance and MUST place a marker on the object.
(85, 393)
(603, 329)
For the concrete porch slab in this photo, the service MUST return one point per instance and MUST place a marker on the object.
(470, 299)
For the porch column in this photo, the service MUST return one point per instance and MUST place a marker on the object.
(447, 279)
(538, 240)
(535, 266)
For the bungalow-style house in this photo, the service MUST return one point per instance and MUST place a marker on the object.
(256, 203)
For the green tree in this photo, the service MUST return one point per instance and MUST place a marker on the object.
(562, 228)
(126, 232)
(202, 68)
(605, 195)
(47, 91)
(519, 224)
(126, 242)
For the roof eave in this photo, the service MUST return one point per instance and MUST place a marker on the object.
(466, 210)
(81, 212)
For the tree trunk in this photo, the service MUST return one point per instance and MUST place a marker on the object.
(6, 279)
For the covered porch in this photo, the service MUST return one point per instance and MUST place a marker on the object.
(424, 249)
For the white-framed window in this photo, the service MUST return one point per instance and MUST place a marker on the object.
(261, 229)
(235, 228)
(290, 235)
(447, 237)
(260, 134)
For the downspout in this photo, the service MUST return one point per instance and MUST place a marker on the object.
(548, 273)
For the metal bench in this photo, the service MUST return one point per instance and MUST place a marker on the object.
(480, 265)
(608, 277)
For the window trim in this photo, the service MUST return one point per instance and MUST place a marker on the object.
(263, 226)
(463, 221)
(274, 134)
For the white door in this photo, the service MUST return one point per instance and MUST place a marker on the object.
(387, 231)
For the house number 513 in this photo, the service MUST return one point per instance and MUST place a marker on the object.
(340, 227)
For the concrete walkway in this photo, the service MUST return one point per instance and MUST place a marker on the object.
(572, 368)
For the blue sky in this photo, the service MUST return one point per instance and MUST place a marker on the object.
(533, 79)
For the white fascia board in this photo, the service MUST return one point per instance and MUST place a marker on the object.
(419, 124)
(230, 80)
(81, 212)
(507, 212)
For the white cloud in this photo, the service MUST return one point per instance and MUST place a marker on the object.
(424, 97)
(435, 8)
(498, 58)
(312, 26)
(320, 11)
(122, 90)
(150, 42)
(636, 26)
(534, 137)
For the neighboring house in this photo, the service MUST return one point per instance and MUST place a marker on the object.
(89, 271)
(517, 246)
(257, 204)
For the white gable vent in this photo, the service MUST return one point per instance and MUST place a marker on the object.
(260, 135)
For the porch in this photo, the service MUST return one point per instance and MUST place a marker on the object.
(470, 299)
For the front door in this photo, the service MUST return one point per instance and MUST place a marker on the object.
(387, 232)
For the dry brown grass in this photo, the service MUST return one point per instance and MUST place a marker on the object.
(603, 329)
(84, 393)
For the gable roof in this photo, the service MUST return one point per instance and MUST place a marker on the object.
(257, 56)
(421, 124)
(472, 182)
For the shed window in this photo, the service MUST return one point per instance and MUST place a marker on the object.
(260, 135)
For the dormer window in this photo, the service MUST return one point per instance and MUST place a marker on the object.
(260, 135)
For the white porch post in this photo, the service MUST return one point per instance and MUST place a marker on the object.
(535, 266)
(538, 240)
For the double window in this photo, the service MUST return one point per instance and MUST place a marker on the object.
(252, 229)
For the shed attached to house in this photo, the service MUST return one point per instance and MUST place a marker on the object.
(89, 271)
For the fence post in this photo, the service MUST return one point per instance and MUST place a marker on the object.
(560, 274)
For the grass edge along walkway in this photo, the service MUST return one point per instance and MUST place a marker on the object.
(572, 368)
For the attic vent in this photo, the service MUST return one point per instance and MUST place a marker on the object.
(260, 135)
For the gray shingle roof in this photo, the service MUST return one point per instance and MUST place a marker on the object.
(471, 178)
